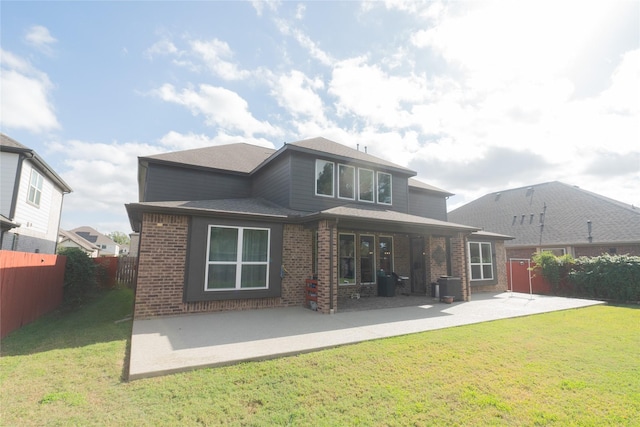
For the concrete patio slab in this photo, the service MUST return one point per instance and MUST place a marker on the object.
(173, 344)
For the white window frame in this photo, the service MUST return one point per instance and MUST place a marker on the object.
(320, 164)
(373, 185)
(238, 262)
(481, 264)
(354, 257)
(353, 182)
(34, 194)
(378, 174)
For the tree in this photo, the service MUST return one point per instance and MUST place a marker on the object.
(119, 237)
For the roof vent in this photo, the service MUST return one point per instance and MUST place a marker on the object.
(497, 197)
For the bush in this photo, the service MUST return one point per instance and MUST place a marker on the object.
(79, 276)
(553, 268)
(615, 277)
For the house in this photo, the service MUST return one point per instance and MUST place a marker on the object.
(240, 226)
(106, 246)
(556, 217)
(68, 239)
(31, 196)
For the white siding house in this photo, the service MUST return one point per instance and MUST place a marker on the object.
(31, 199)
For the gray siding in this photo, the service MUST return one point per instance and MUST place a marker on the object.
(273, 182)
(166, 183)
(427, 205)
(303, 187)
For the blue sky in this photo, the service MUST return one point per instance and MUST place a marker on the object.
(475, 96)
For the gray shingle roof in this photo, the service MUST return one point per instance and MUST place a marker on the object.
(516, 212)
(323, 145)
(414, 184)
(240, 157)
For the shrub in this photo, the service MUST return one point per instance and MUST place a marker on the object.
(79, 276)
(553, 268)
(615, 277)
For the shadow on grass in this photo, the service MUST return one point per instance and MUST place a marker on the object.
(105, 318)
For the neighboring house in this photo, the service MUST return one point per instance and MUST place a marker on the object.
(555, 217)
(240, 226)
(31, 196)
(106, 246)
(68, 239)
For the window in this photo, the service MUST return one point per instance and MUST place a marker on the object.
(347, 259)
(365, 185)
(385, 254)
(384, 188)
(35, 188)
(480, 260)
(237, 258)
(346, 182)
(324, 178)
(555, 251)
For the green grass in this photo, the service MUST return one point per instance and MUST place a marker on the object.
(576, 367)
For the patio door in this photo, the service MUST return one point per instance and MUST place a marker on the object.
(367, 259)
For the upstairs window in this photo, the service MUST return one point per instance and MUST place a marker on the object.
(481, 261)
(365, 185)
(237, 258)
(324, 178)
(346, 182)
(35, 188)
(384, 188)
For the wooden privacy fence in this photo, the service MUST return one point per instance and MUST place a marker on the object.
(31, 285)
(521, 279)
(116, 270)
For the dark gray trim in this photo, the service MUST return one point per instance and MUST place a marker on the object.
(16, 186)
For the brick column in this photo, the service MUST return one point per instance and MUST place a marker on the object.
(459, 263)
(327, 266)
(436, 257)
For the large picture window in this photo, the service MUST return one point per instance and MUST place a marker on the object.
(347, 253)
(481, 260)
(365, 185)
(237, 258)
(384, 188)
(35, 188)
(346, 182)
(324, 178)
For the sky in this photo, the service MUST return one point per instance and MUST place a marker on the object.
(475, 96)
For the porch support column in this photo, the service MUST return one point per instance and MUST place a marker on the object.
(436, 257)
(327, 266)
(459, 263)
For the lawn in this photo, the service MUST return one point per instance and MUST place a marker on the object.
(576, 367)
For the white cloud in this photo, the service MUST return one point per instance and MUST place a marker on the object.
(370, 93)
(161, 47)
(213, 54)
(221, 108)
(175, 141)
(297, 93)
(306, 42)
(40, 38)
(25, 94)
(259, 5)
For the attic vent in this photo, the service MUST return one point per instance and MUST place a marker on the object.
(497, 197)
(515, 218)
(529, 191)
(531, 219)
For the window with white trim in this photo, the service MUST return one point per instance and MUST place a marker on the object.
(480, 260)
(346, 182)
(324, 178)
(237, 258)
(365, 185)
(347, 254)
(384, 188)
(35, 188)
(385, 254)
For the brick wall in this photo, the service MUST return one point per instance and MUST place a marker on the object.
(327, 257)
(297, 244)
(459, 263)
(435, 249)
